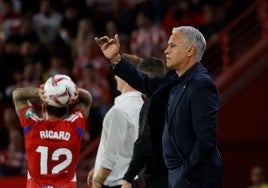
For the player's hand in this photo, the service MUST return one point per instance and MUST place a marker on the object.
(75, 97)
(42, 93)
(109, 46)
(96, 185)
(90, 178)
(126, 184)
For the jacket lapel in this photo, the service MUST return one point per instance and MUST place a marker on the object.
(179, 90)
(181, 87)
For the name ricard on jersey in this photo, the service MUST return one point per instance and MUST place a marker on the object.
(58, 135)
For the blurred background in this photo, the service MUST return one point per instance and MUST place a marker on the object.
(40, 38)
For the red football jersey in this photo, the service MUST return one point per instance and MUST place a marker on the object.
(52, 148)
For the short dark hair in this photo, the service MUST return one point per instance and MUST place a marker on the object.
(133, 59)
(152, 66)
(56, 111)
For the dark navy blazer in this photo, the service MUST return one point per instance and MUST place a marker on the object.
(189, 124)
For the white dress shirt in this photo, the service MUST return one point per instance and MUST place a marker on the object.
(119, 132)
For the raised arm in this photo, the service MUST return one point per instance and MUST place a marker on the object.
(110, 48)
(84, 100)
(21, 97)
(125, 70)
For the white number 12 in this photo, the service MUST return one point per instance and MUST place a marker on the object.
(43, 150)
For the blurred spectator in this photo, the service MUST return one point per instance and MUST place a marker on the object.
(29, 76)
(29, 6)
(4, 139)
(91, 69)
(85, 51)
(125, 44)
(27, 30)
(148, 39)
(84, 39)
(39, 72)
(182, 13)
(64, 36)
(258, 177)
(123, 16)
(10, 19)
(12, 63)
(32, 51)
(111, 28)
(233, 8)
(17, 5)
(26, 78)
(213, 21)
(98, 86)
(100, 89)
(28, 43)
(12, 160)
(62, 44)
(58, 65)
(71, 18)
(47, 22)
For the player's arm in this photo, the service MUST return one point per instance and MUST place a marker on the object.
(21, 97)
(84, 100)
(101, 176)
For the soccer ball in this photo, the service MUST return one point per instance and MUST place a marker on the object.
(59, 90)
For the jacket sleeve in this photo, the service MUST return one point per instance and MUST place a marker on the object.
(137, 163)
(135, 78)
(142, 147)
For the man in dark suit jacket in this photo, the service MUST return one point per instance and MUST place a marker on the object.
(183, 108)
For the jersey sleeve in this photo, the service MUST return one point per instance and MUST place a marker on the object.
(28, 116)
(78, 118)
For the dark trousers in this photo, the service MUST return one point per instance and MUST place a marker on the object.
(158, 182)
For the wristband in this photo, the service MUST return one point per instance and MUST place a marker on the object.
(99, 179)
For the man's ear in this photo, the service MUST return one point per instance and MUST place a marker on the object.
(191, 51)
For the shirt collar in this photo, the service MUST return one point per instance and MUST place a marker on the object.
(124, 96)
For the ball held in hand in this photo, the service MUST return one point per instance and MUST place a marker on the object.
(59, 90)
